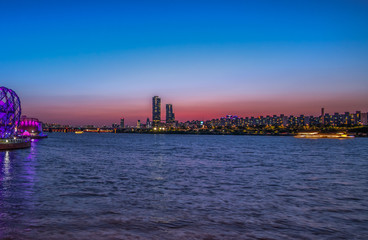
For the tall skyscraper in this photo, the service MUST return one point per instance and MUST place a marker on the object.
(156, 110)
(323, 116)
(122, 123)
(170, 116)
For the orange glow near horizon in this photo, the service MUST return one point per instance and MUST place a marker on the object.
(101, 112)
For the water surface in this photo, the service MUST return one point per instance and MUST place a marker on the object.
(133, 186)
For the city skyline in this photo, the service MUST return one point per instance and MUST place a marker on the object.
(94, 63)
(324, 118)
(198, 114)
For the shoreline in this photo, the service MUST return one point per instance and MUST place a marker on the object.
(356, 131)
(206, 133)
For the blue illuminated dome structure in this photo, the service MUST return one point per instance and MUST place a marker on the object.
(10, 112)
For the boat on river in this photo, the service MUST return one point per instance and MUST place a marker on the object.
(316, 135)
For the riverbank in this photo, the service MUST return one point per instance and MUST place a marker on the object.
(356, 132)
(11, 144)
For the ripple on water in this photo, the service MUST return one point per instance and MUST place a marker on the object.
(131, 186)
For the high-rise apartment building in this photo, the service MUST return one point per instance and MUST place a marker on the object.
(358, 117)
(170, 116)
(364, 118)
(156, 110)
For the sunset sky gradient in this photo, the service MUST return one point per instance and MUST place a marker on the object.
(93, 62)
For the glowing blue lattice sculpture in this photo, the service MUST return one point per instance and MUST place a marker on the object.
(10, 112)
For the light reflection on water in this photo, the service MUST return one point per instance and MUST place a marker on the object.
(6, 166)
(127, 186)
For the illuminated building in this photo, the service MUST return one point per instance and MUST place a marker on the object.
(139, 124)
(156, 110)
(10, 111)
(31, 127)
(357, 117)
(346, 118)
(170, 116)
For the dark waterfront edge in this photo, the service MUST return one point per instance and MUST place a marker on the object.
(361, 131)
(357, 131)
(205, 133)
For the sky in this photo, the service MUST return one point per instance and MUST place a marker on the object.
(94, 62)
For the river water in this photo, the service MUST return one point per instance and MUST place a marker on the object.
(141, 186)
